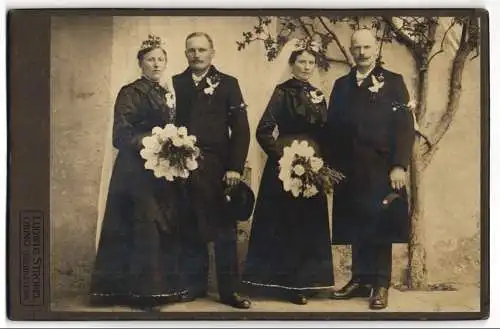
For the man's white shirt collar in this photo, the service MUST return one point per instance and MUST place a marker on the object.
(360, 76)
(197, 79)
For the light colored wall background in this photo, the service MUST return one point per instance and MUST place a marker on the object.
(80, 101)
(93, 57)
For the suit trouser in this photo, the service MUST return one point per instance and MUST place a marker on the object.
(195, 264)
(372, 263)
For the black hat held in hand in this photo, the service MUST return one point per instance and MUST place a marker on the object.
(239, 202)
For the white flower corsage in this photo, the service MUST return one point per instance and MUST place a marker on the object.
(170, 100)
(211, 86)
(316, 96)
(378, 82)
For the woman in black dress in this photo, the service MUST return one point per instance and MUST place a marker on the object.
(136, 262)
(289, 247)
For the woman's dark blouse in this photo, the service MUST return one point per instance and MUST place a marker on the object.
(291, 109)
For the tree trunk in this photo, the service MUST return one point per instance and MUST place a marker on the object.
(416, 248)
(417, 255)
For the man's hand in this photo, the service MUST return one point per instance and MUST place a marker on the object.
(398, 178)
(232, 178)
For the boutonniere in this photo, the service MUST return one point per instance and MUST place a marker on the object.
(378, 82)
(316, 96)
(170, 99)
(213, 82)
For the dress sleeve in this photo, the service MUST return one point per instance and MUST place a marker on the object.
(268, 122)
(126, 114)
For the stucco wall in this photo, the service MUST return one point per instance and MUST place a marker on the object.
(80, 100)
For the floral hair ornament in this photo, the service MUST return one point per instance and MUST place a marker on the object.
(152, 42)
(307, 44)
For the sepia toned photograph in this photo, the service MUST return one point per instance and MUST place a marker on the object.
(316, 163)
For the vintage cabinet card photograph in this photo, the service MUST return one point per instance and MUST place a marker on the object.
(248, 164)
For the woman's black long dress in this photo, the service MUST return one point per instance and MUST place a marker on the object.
(138, 249)
(289, 245)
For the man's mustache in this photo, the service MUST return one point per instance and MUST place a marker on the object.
(196, 61)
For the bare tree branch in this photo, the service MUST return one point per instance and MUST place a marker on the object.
(384, 36)
(337, 41)
(475, 56)
(426, 139)
(400, 35)
(430, 23)
(441, 49)
(304, 27)
(463, 38)
(467, 45)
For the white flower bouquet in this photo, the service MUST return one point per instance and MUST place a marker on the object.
(170, 152)
(303, 173)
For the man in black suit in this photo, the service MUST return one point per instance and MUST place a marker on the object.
(210, 104)
(371, 137)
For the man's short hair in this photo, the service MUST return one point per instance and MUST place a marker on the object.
(201, 34)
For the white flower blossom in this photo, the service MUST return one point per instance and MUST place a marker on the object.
(299, 170)
(310, 191)
(184, 173)
(316, 163)
(296, 185)
(147, 154)
(169, 131)
(303, 149)
(165, 163)
(150, 164)
(287, 184)
(182, 131)
(152, 144)
(191, 164)
(188, 142)
(157, 130)
(177, 141)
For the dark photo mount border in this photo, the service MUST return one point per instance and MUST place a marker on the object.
(28, 163)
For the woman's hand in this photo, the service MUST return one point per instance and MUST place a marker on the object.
(398, 178)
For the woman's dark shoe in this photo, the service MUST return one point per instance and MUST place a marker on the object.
(236, 301)
(351, 290)
(380, 298)
(298, 298)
